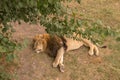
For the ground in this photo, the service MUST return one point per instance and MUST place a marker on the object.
(78, 64)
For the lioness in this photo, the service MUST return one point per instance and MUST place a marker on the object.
(56, 46)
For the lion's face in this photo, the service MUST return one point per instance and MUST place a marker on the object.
(39, 44)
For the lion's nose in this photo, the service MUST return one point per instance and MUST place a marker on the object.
(40, 50)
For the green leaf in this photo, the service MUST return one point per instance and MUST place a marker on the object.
(118, 39)
(20, 4)
(79, 23)
(50, 1)
(45, 5)
(10, 57)
(78, 1)
(1, 36)
(2, 49)
(4, 29)
(72, 21)
(5, 40)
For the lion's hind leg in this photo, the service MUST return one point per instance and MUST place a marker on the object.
(93, 48)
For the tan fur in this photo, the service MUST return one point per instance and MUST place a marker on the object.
(41, 44)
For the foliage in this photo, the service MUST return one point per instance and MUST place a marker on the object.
(118, 39)
(55, 18)
(62, 20)
(14, 11)
(6, 45)
(17, 10)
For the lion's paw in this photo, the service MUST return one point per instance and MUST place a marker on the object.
(91, 53)
(61, 68)
(97, 54)
(55, 64)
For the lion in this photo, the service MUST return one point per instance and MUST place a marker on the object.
(56, 46)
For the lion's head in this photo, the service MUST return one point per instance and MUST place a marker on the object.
(40, 43)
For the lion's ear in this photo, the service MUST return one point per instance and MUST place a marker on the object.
(37, 37)
(45, 36)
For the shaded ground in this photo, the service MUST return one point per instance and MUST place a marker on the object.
(78, 65)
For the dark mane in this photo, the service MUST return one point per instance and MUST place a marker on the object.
(54, 44)
(64, 42)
